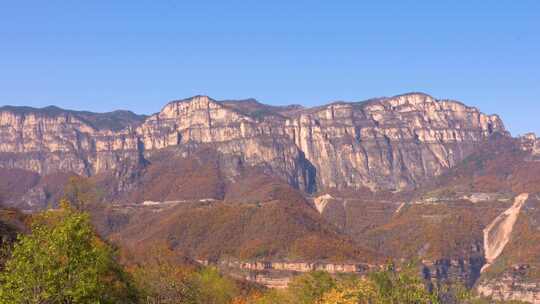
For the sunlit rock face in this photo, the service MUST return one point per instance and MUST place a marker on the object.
(47, 142)
(511, 286)
(392, 143)
(389, 143)
(530, 143)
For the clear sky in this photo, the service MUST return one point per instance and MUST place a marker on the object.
(105, 55)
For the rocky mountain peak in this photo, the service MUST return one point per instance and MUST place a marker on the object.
(530, 143)
(384, 143)
(413, 98)
(195, 103)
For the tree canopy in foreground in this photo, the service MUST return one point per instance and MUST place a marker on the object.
(63, 261)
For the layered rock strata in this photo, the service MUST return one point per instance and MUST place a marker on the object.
(389, 143)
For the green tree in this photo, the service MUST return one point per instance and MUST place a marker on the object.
(401, 287)
(352, 291)
(213, 288)
(309, 288)
(63, 261)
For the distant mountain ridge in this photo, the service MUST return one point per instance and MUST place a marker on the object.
(386, 143)
(115, 120)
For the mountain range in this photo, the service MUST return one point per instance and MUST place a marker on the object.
(347, 184)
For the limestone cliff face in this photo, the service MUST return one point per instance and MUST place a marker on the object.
(391, 143)
(511, 286)
(530, 143)
(61, 141)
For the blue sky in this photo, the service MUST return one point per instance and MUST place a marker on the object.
(105, 55)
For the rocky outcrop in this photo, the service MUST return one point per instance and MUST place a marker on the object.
(48, 142)
(390, 143)
(530, 143)
(511, 286)
(294, 266)
(276, 274)
(321, 202)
